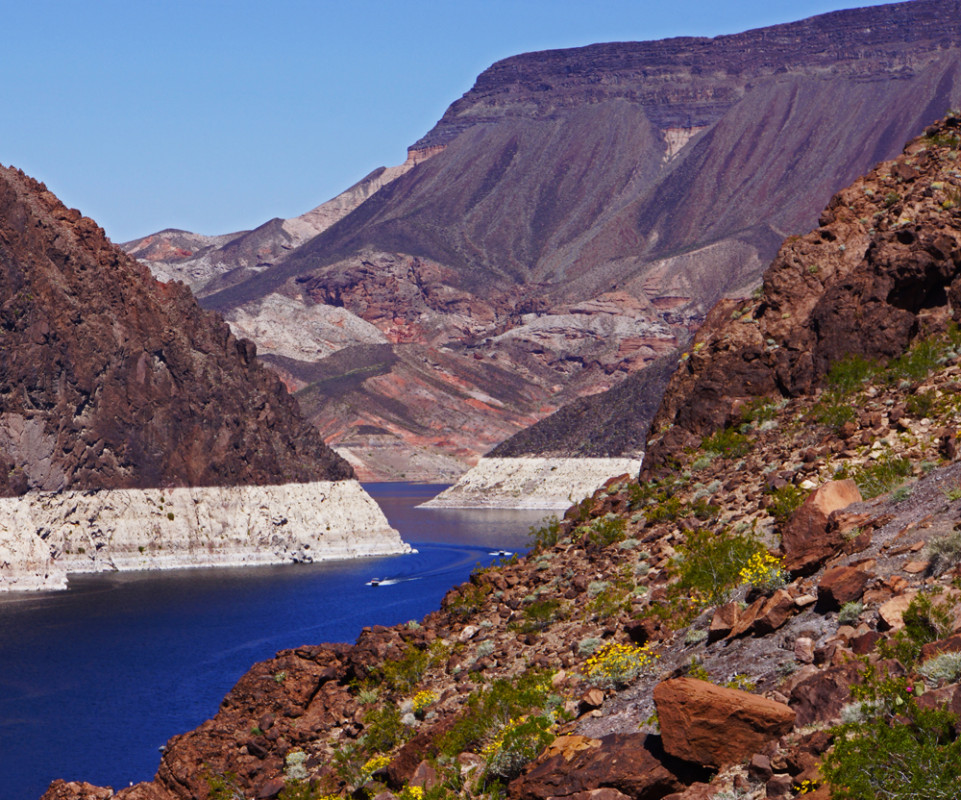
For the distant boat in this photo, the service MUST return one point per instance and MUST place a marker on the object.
(374, 582)
(502, 553)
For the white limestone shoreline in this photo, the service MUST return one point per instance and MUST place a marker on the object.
(45, 536)
(531, 483)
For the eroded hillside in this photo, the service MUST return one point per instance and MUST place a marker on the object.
(774, 611)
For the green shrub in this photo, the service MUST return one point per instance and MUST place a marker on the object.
(917, 363)
(607, 530)
(728, 443)
(882, 475)
(709, 565)
(404, 673)
(924, 621)
(546, 535)
(540, 614)
(785, 501)
(490, 710)
(849, 374)
(833, 413)
(516, 745)
(894, 749)
(384, 729)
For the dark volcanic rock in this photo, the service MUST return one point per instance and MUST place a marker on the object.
(110, 379)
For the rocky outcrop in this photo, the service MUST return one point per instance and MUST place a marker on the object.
(109, 379)
(714, 726)
(46, 536)
(583, 209)
(879, 270)
(549, 483)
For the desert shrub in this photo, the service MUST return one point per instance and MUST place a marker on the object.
(833, 413)
(491, 710)
(610, 600)
(586, 647)
(919, 361)
(710, 563)
(882, 475)
(421, 701)
(785, 501)
(540, 614)
(763, 571)
(607, 530)
(728, 443)
(920, 404)
(893, 749)
(944, 551)
(468, 599)
(618, 664)
(668, 509)
(546, 535)
(404, 673)
(760, 409)
(518, 743)
(942, 668)
(850, 613)
(925, 621)
(383, 728)
(849, 374)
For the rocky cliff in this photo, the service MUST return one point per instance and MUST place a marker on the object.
(582, 210)
(110, 379)
(776, 613)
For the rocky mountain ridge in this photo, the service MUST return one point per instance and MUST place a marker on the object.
(579, 213)
(110, 379)
(774, 611)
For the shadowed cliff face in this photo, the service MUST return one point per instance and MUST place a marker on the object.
(109, 379)
(581, 210)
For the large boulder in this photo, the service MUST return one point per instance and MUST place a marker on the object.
(634, 764)
(807, 539)
(714, 726)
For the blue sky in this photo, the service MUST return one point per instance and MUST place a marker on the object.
(216, 115)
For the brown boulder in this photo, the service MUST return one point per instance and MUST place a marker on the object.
(840, 585)
(76, 790)
(723, 622)
(634, 764)
(806, 538)
(714, 726)
(820, 697)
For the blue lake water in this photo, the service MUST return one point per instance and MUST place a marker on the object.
(95, 679)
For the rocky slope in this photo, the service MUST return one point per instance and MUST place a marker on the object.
(582, 209)
(774, 612)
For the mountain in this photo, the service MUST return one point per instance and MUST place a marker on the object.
(573, 217)
(774, 612)
(110, 379)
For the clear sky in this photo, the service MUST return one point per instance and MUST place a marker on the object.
(216, 115)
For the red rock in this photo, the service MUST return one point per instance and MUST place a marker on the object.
(76, 790)
(714, 726)
(634, 764)
(723, 622)
(424, 776)
(271, 789)
(778, 608)
(840, 585)
(892, 611)
(950, 645)
(820, 697)
(805, 538)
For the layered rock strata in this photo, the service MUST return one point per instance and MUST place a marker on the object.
(580, 212)
(549, 483)
(46, 536)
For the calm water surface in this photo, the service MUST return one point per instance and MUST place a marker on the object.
(95, 679)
